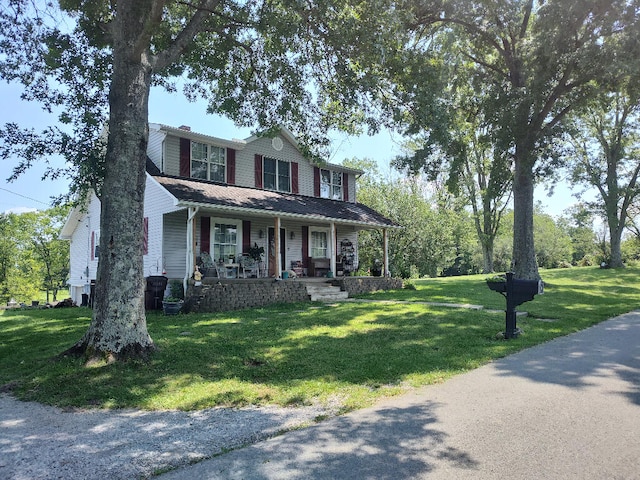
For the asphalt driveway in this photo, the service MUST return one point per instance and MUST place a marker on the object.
(568, 409)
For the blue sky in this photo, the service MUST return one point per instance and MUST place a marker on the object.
(31, 192)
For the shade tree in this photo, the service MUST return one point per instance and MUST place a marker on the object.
(533, 63)
(93, 63)
(605, 156)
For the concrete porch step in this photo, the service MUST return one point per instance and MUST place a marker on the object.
(325, 292)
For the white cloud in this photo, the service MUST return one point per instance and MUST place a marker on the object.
(19, 210)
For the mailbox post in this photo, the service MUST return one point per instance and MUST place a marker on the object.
(517, 291)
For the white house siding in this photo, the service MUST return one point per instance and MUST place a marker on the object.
(172, 155)
(157, 202)
(156, 145)
(81, 268)
(352, 187)
(175, 244)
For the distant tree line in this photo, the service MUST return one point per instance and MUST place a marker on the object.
(34, 262)
(438, 235)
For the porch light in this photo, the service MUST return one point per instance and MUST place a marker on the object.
(292, 236)
(260, 234)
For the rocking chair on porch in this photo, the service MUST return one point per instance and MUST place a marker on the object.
(249, 266)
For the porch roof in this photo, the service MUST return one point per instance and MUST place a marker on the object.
(265, 203)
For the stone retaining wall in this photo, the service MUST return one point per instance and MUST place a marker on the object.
(359, 285)
(220, 295)
(224, 295)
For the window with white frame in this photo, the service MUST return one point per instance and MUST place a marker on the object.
(330, 184)
(208, 162)
(276, 175)
(319, 244)
(225, 240)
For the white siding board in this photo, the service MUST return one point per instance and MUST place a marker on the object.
(172, 155)
(80, 250)
(157, 202)
(155, 146)
(175, 244)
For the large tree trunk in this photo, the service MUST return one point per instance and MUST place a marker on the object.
(118, 327)
(525, 264)
(615, 236)
(487, 257)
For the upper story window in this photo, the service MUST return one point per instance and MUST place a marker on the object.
(276, 175)
(208, 162)
(330, 184)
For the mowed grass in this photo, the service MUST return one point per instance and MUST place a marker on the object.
(343, 356)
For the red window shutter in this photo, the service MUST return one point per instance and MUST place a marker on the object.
(185, 157)
(258, 170)
(231, 166)
(295, 187)
(305, 246)
(316, 181)
(246, 236)
(205, 234)
(93, 245)
(145, 236)
(345, 187)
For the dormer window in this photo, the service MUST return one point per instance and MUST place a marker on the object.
(208, 162)
(330, 184)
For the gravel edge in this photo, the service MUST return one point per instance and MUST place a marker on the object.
(40, 442)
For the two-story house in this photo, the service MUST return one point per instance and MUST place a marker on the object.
(222, 197)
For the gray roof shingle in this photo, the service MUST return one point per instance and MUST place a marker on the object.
(268, 203)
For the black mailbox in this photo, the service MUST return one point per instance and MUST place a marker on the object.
(523, 290)
(517, 291)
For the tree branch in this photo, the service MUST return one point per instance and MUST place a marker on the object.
(184, 38)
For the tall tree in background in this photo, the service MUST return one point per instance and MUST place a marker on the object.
(32, 258)
(96, 61)
(534, 62)
(577, 221)
(426, 243)
(460, 148)
(606, 156)
(51, 253)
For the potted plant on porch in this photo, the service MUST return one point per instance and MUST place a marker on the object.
(174, 302)
(256, 252)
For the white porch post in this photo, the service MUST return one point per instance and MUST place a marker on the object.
(385, 249)
(332, 244)
(190, 260)
(276, 240)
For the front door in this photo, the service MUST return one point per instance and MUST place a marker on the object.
(272, 251)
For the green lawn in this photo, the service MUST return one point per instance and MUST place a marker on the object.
(346, 354)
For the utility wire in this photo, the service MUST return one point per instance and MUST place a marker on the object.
(24, 196)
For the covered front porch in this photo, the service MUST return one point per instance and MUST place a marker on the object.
(227, 247)
(237, 233)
